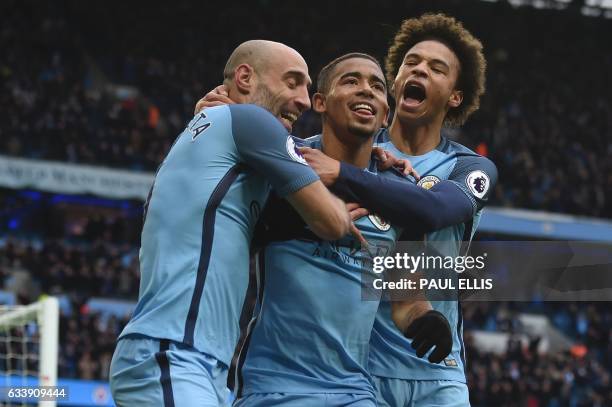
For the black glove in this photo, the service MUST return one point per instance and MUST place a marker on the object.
(429, 330)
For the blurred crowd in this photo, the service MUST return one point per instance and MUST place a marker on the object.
(99, 269)
(87, 254)
(54, 246)
(88, 342)
(75, 90)
(523, 375)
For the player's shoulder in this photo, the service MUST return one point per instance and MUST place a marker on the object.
(452, 147)
(215, 111)
(466, 156)
(210, 115)
(252, 122)
(472, 171)
(254, 114)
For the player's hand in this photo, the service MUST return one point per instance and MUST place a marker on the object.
(431, 330)
(216, 97)
(359, 236)
(356, 211)
(326, 167)
(387, 160)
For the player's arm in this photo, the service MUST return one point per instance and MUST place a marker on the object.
(407, 205)
(264, 145)
(428, 329)
(414, 316)
(321, 210)
(403, 203)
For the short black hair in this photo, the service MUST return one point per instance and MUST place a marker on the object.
(325, 75)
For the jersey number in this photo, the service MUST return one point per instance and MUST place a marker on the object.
(198, 127)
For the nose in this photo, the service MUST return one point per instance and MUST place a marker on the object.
(420, 69)
(302, 99)
(365, 90)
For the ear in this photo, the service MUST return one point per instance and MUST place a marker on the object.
(244, 78)
(385, 122)
(455, 99)
(318, 103)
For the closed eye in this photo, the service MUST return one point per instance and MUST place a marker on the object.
(438, 69)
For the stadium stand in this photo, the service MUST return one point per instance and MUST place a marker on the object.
(91, 99)
(75, 91)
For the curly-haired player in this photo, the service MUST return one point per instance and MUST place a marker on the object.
(438, 74)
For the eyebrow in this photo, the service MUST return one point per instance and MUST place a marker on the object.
(359, 75)
(433, 61)
(300, 76)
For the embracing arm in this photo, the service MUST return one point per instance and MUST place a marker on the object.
(447, 203)
(403, 203)
(264, 145)
(322, 211)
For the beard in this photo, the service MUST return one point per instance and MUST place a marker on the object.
(263, 97)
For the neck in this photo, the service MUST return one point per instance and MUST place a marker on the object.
(415, 139)
(237, 96)
(348, 148)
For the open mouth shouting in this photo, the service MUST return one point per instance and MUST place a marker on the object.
(414, 95)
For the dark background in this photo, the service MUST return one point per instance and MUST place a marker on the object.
(113, 83)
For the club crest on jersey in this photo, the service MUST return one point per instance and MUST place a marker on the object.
(293, 151)
(379, 222)
(478, 183)
(428, 181)
(450, 362)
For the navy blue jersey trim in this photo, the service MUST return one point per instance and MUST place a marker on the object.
(164, 379)
(247, 311)
(373, 166)
(444, 145)
(460, 336)
(208, 230)
(146, 204)
(261, 258)
(382, 136)
(247, 316)
(467, 237)
(261, 266)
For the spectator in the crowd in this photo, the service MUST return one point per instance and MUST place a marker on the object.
(85, 96)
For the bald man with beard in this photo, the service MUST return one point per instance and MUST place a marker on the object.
(199, 219)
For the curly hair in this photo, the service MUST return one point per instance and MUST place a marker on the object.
(468, 49)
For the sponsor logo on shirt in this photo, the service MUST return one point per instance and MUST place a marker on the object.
(478, 183)
(379, 222)
(428, 181)
(450, 362)
(293, 151)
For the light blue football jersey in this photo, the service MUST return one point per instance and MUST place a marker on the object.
(390, 352)
(199, 220)
(313, 328)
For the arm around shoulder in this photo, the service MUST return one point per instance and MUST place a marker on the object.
(321, 210)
